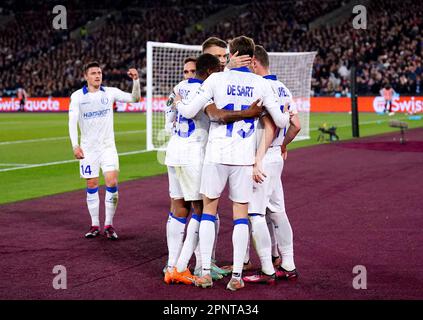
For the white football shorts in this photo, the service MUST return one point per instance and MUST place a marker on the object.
(184, 182)
(269, 193)
(107, 160)
(215, 176)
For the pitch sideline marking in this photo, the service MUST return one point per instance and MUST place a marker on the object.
(14, 164)
(67, 161)
(62, 138)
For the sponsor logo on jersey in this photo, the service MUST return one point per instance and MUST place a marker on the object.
(104, 100)
(96, 114)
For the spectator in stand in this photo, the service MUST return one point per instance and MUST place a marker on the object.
(390, 50)
(22, 96)
(388, 93)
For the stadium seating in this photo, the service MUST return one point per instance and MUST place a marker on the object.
(48, 62)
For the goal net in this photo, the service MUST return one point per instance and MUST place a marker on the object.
(165, 70)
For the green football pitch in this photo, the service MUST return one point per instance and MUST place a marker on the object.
(36, 157)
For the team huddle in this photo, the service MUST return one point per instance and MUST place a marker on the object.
(230, 122)
(229, 126)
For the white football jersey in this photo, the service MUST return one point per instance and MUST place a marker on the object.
(235, 143)
(286, 104)
(170, 113)
(187, 145)
(94, 111)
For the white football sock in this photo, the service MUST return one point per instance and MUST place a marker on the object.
(239, 241)
(190, 243)
(111, 201)
(93, 204)
(207, 235)
(271, 227)
(167, 232)
(247, 253)
(197, 254)
(175, 238)
(284, 237)
(216, 230)
(167, 224)
(262, 243)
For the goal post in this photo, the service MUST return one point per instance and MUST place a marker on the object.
(165, 62)
(294, 69)
(165, 70)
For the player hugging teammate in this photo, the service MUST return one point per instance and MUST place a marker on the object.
(216, 140)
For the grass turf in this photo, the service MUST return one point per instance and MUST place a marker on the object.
(49, 142)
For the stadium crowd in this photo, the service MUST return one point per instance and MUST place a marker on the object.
(48, 62)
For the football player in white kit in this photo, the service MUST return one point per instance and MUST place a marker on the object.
(184, 158)
(91, 109)
(230, 154)
(268, 195)
(219, 49)
(170, 127)
(189, 71)
(170, 112)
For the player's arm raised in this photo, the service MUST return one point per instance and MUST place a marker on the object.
(136, 87)
(135, 96)
(73, 127)
(226, 116)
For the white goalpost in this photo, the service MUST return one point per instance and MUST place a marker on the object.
(165, 70)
